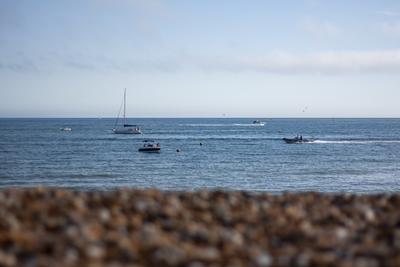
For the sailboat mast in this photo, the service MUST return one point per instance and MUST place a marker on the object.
(124, 106)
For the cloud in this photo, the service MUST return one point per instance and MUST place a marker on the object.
(79, 65)
(389, 13)
(331, 63)
(151, 65)
(17, 67)
(21, 63)
(322, 63)
(326, 63)
(318, 28)
(391, 28)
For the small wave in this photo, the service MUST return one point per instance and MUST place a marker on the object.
(215, 138)
(222, 125)
(249, 124)
(355, 141)
(205, 125)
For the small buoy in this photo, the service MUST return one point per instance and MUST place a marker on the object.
(178, 150)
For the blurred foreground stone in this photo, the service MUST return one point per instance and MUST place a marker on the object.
(54, 227)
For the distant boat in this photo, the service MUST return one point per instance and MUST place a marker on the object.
(150, 146)
(66, 129)
(258, 122)
(126, 128)
(297, 140)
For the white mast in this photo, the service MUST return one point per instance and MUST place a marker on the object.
(124, 106)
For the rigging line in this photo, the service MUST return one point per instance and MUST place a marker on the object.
(119, 113)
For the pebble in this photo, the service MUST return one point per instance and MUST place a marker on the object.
(263, 260)
(169, 255)
(56, 227)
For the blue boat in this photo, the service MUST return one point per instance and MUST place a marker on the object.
(297, 140)
(150, 146)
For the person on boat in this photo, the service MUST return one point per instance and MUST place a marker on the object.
(301, 137)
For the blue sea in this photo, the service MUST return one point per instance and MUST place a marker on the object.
(348, 155)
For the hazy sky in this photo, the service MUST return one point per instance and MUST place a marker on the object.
(73, 58)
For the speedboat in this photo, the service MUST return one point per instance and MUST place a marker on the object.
(150, 146)
(258, 122)
(297, 140)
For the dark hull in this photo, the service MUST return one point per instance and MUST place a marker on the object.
(296, 140)
(149, 149)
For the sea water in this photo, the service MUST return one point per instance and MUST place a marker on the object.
(348, 155)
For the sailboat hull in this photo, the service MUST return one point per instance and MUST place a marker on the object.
(127, 128)
(127, 131)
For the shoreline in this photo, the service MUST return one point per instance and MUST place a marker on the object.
(128, 227)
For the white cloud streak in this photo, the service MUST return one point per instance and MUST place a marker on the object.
(331, 63)
(389, 13)
(325, 63)
(322, 63)
(391, 28)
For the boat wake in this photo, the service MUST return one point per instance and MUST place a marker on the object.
(356, 141)
(205, 125)
(223, 125)
(250, 124)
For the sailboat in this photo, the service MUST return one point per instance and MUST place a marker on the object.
(126, 128)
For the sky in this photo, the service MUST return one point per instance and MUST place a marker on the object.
(300, 58)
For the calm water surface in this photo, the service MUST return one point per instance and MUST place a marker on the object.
(350, 155)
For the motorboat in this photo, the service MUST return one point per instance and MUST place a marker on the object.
(150, 146)
(66, 129)
(297, 140)
(126, 128)
(258, 122)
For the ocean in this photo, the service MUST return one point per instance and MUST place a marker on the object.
(348, 155)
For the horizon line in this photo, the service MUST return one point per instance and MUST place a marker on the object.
(208, 117)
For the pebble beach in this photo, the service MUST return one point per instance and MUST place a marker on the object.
(58, 227)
